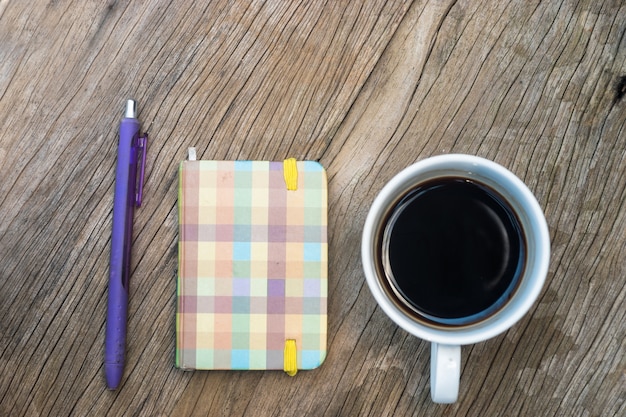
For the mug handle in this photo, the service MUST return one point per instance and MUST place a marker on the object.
(445, 372)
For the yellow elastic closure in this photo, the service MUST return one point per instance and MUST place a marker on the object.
(290, 172)
(290, 361)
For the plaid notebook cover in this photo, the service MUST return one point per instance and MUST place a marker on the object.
(252, 265)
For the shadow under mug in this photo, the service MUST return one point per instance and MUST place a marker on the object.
(446, 339)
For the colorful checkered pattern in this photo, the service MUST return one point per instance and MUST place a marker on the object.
(252, 265)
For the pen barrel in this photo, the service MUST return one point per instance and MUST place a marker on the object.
(121, 240)
(115, 342)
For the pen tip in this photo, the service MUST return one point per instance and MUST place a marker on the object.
(131, 109)
(113, 372)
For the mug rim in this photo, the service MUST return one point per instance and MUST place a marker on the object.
(532, 280)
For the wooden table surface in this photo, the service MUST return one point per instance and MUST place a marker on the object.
(366, 88)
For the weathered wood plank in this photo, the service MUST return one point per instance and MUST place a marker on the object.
(367, 88)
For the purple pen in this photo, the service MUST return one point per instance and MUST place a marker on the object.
(128, 194)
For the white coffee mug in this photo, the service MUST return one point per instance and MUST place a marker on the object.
(446, 340)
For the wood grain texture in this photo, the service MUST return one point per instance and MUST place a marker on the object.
(366, 88)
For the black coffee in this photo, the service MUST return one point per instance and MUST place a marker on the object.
(453, 249)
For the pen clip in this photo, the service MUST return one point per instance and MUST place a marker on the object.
(142, 145)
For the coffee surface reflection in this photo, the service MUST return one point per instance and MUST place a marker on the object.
(453, 251)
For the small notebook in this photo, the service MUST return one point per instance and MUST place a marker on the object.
(253, 265)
